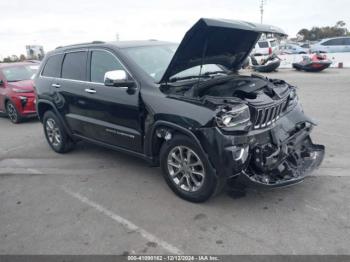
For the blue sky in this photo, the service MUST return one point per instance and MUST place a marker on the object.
(60, 22)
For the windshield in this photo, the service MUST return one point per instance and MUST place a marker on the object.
(19, 73)
(154, 60)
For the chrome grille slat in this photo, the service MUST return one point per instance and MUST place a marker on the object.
(272, 114)
(265, 116)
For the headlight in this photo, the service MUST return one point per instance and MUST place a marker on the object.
(17, 90)
(293, 99)
(233, 115)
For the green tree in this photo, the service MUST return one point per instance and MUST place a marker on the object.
(22, 57)
(317, 33)
(7, 60)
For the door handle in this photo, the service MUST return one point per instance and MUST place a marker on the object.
(90, 91)
(56, 85)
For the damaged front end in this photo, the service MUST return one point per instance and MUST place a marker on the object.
(273, 149)
(248, 126)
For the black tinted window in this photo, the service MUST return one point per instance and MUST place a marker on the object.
(53, 66)
(74, 66)
(102, 62)
(338, 41)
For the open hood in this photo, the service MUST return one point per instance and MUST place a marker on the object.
(222, 42)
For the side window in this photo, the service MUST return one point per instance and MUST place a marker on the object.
(333, 42)
(102, 62)
(347, 41)
(74, 65)
(52, 67)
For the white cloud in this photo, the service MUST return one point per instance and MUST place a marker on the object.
(60, 22)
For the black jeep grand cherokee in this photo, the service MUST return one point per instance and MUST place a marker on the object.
(184, 107)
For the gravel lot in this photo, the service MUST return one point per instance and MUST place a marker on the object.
(97, 201)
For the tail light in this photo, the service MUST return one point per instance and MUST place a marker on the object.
(270, 51)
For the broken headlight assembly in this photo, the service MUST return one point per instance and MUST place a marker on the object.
(293, 99)
(233, 115)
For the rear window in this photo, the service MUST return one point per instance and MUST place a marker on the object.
(53, 66)
(74, 66)
(263, 44)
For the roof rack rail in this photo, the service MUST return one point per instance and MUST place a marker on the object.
(88, 43)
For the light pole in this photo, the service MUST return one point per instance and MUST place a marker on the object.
(262, 3)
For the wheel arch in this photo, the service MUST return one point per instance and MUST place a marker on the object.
(156, 137)
(6, 100)
(45, 105)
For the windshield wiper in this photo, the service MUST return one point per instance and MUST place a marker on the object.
(204, 75)
(215, 73)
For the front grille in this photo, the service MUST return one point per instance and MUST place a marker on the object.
(265, 116)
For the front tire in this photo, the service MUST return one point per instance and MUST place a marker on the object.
(12, 113)
(56, 134)
(187, 170)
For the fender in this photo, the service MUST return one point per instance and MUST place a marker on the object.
(151, 136)
(44, 101)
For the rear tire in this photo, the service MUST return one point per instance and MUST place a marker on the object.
(179, 157)
(12, 113)
(55, 133)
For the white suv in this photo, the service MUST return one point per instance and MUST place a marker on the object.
(265, 47)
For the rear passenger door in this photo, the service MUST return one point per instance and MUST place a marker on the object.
(69, 89)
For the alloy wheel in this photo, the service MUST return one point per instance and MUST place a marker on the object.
(12, 112)
(53, 132)
(186, 168)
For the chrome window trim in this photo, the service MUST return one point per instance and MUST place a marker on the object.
(80, 81)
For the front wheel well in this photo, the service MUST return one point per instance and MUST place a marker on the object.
(42, 108)
(161, 135)
(6, 101)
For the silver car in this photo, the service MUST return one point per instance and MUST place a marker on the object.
(332, 45)
(292, 49)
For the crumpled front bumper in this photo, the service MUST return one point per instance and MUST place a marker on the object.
(291, 173)
(278, 156)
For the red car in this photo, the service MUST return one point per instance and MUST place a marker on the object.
(17, 98)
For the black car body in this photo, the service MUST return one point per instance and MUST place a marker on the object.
(160, 104)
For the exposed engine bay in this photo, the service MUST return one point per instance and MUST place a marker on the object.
(252, 89)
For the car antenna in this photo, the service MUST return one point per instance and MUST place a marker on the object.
(202, 60)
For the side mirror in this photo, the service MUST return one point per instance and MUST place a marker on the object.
(118, 78)
(1, 83)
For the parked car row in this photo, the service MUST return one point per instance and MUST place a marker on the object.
(332, 45)
(329, 45)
